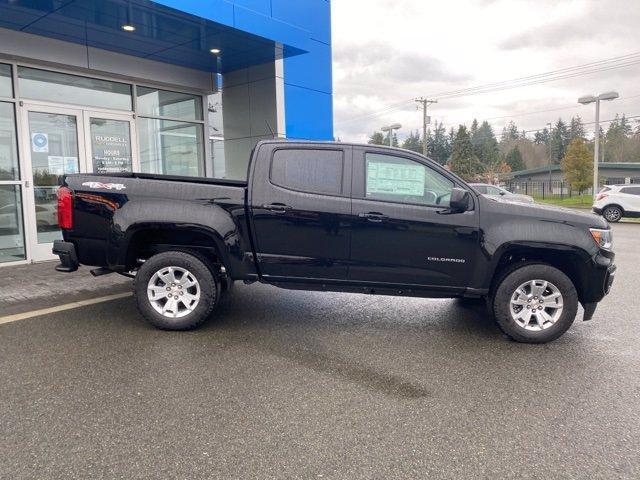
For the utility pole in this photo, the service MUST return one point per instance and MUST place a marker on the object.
(550, 155)
(425, 120)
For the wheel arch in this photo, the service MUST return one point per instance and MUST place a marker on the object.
(146, 240)
(572, 261)
(613, 204)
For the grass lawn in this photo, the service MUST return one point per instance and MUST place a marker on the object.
(575, 201)
(578, 201)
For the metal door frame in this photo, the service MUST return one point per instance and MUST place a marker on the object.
(39, 252)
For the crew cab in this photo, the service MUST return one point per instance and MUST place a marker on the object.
(339, 217)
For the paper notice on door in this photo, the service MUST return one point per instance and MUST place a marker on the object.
(56, 165)
(70, 164)
(395, 178)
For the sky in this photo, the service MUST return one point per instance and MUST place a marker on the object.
(388, 52)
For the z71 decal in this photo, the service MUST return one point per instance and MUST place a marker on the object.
(106, 186)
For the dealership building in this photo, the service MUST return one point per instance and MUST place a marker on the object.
(168, 86)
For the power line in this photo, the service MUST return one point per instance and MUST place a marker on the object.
(554, 75)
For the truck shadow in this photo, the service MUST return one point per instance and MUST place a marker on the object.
(290, 326)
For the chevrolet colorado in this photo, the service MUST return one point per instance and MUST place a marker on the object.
(338, 217)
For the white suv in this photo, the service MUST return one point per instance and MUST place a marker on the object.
(617, 201)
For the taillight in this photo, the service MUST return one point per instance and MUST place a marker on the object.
(600, 196)
(65, 208)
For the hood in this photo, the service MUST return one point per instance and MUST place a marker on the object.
(548, 212)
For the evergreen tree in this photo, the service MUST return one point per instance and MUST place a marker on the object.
(474, 130)
(559, 141)
(625, 126)
(509, 132)
(577, 165)
(541, 137)
(463, 160)
(576, 128)
(439, 144)
(413, 142)
(377, 138)
(514, 159)
(485, 145)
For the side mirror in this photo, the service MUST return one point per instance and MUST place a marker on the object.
(459, 200)
(502, 193)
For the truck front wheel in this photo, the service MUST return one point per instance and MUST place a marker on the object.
(176, 291)
(535, 303)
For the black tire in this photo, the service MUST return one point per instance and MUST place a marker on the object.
(208, 283)
(612, 213)
(501, 302)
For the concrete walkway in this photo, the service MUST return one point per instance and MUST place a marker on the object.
(39, 285)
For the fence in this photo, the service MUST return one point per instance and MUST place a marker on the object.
(559, 188)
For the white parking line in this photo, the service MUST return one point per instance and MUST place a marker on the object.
(60, 308)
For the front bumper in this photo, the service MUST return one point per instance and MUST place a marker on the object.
(66, 251)
(596, 210)
(602, 278)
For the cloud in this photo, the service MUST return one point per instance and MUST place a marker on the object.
(600, 21)
(392, 53)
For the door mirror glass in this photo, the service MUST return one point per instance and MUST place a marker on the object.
(459, 200)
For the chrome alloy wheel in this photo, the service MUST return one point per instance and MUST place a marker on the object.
(536, 305)
(173, 292)
(612, 214)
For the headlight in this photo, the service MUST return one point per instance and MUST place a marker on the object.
(603, 238)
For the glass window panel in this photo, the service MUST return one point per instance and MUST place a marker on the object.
(54, 152)
(171, 148)
(63, 88)
(314, 171)
(163, 103)
(110, 145)
(11, 224)
(401, 180)
(6, 88)
(9, 166)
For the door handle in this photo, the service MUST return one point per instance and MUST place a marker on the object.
(375, 217)
(277, 207)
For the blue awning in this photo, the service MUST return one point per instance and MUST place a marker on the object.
(162, 33)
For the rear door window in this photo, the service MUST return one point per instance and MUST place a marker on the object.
(630, 190)
(308, 170)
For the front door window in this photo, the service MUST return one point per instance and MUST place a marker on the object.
(54, 153)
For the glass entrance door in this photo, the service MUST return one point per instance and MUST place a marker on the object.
(60, 141)
(53, 149)
(110, 142)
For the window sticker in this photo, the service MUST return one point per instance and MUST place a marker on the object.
(395, 178)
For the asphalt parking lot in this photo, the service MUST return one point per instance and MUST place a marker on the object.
(286, 384)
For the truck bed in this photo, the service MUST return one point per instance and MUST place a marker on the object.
(174, 178)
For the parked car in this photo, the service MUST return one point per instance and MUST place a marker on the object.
(337, 217)
(614, 202)
(487, 189)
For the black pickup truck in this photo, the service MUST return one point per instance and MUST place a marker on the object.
(337, 217)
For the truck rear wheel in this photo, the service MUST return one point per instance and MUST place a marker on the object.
(176, 291)
(535, 303)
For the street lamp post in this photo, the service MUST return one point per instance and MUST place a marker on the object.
(587, 99)
(390, 129)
